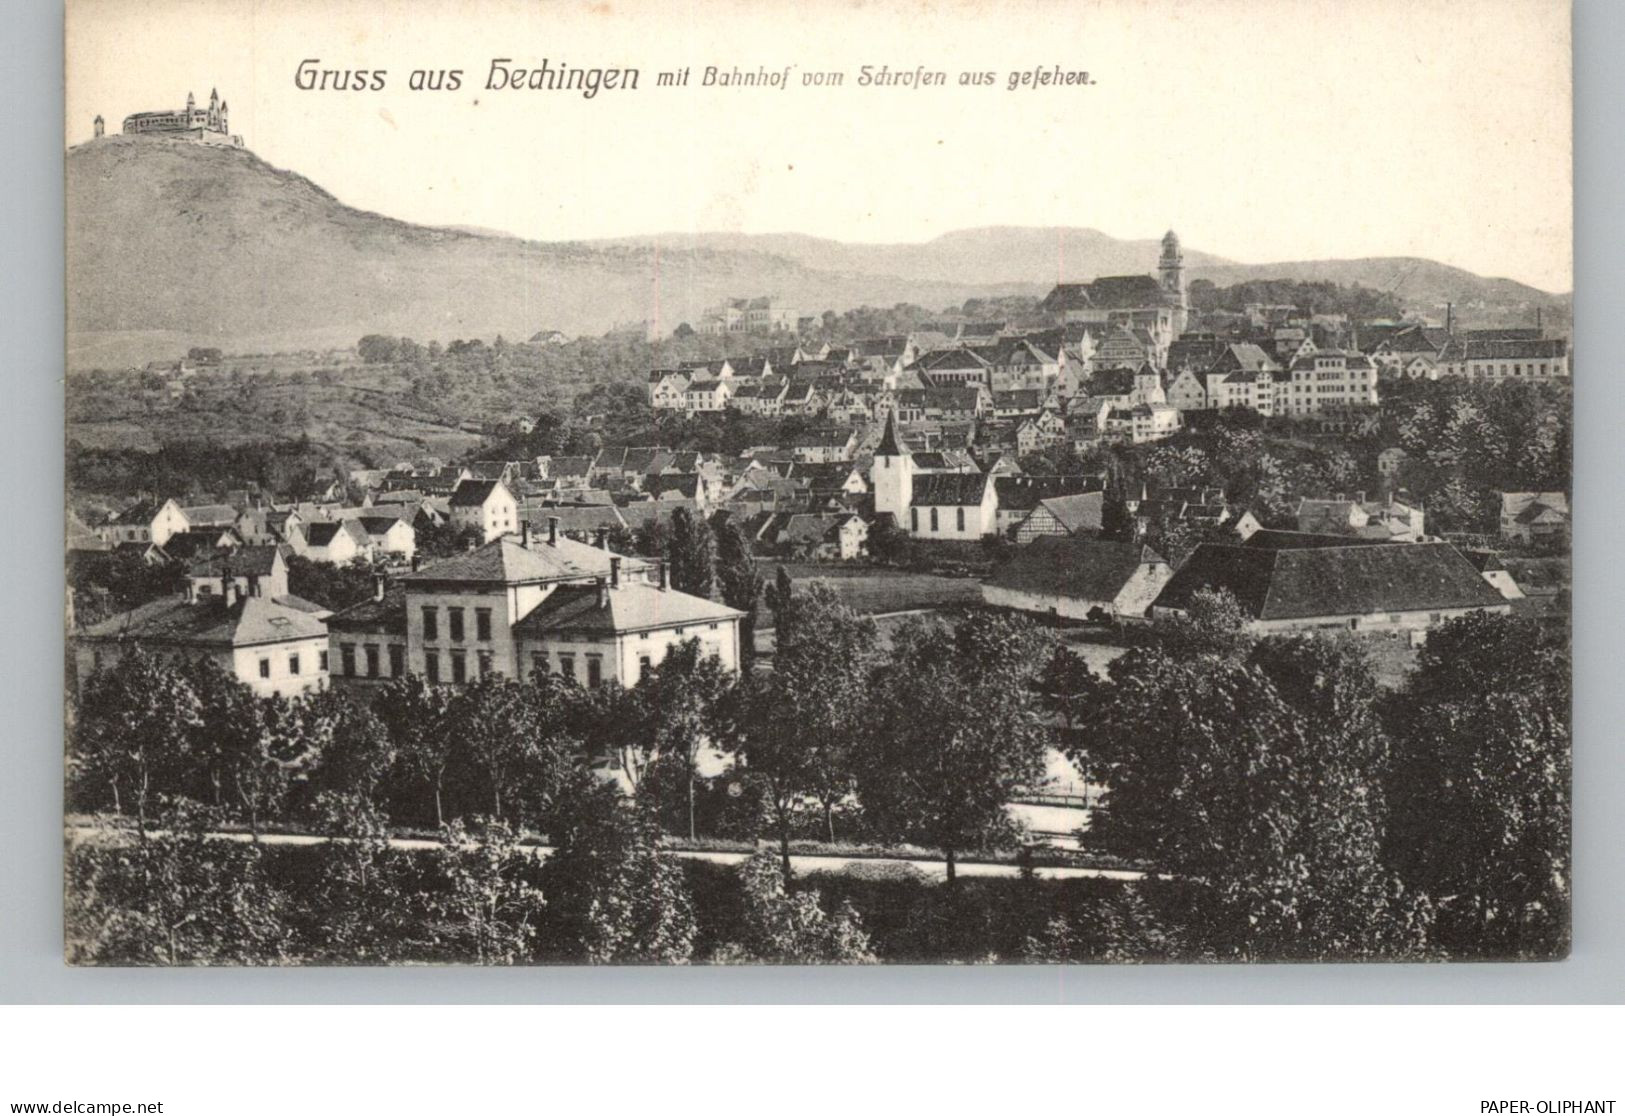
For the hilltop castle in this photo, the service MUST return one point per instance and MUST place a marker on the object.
(190, 123)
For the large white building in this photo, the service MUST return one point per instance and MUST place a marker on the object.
(523, 604)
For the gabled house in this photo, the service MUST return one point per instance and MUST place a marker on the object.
(1077, 577)
(1529, 516)
(487, 506)
(1355, 587)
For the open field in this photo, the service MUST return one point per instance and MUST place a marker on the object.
(877, 589)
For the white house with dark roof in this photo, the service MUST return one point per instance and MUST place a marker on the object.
(488, 506)
(1077, 577)
(335, 542)
(1354, 587)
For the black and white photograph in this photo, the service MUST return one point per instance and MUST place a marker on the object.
(567, 484)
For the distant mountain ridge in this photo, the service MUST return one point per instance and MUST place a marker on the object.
(172, 244)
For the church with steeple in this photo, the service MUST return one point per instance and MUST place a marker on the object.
(1156, 305)
(198, 125)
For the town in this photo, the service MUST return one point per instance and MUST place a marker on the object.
(725, 584)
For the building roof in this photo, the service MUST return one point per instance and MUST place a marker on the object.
(1353, 580)
(1077, 512)
(1266, 538)
(888, 446)
(244, 561)
(949, 489)
(474, 493)
(1024, 492)
(505, 561)
(628, 607)
(323, 533)
(1074, 566)
(208, 623)
(374, 615)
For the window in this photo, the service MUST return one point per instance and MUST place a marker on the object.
(914, 520)
(431, 667)
(595, 671)
(321, 660)
(397, 660)
(455, 615)
(265, 668)
(293, 664)
(567, 666)
(459, 667)
(538, 662)
(643, 666)
(482, 624)
(372, 660)
(347, 657)
(431, 624)
(959, 519)
(485, 663)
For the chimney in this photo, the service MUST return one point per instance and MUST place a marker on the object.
(552, 530)
(228, 591)
(663, 582)
(524, 533)
(603, 538)
(253, 585)
(378, 587)
(603, 593)
(615, 572)
(414, 563)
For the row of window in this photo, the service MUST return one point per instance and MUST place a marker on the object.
(454, 624)
(293, 664)
(459, 666)
(373, 658)
(914, 525)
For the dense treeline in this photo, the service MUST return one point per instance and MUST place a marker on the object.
(1286, 807)
(289, 469)
(1308, 297)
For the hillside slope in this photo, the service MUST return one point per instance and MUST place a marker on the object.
(175, 244)
(172, 244)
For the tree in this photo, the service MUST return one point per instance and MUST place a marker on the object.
(498, 723)
(490, 904)
(741, 585)
(179, 897)
(1213, 624)
(778, 595)
(955, 732)
(275, 741)
(1479, 785)
(613, 896)
(362, 914)
(134, 726)
(359, 752)
(675, 710)
(792, 927)
(414, 715)
(1248, 782)
(691, 553)
(798, 724)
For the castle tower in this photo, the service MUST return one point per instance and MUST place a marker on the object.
(100, 126)
(1171, 274)
(224, 127)
(893, 475)
(214, 108)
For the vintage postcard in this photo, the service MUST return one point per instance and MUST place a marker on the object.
(1020, 482)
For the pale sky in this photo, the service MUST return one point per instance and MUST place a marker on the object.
(1263, 130)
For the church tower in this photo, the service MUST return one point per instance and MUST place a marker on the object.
(893, 475)
(1171, 274)
(100, 126)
